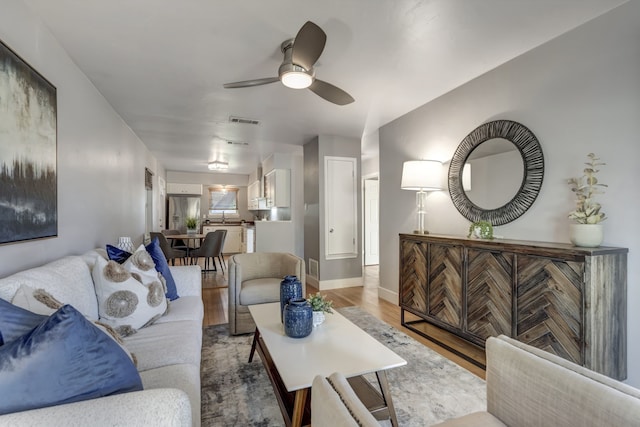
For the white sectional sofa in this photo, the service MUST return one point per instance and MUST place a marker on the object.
(168, 351)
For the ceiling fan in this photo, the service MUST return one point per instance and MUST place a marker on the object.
(296, 71)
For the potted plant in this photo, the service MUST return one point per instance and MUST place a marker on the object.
(192, 224)
(481, 230)
(320, 306)
(587, 230)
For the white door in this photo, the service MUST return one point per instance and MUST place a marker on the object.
(371, 245)
(341, 207)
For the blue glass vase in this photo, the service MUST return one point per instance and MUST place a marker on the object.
(290, 287)
(298, 318)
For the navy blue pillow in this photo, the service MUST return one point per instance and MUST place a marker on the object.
(120, 256)
(64, 359)
(16, 321)
(163, 267)
(117, 254)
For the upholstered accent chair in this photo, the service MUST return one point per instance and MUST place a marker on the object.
(526, 386)
(335, 404)
(254, 278)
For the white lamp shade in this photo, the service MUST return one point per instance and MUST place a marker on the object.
(425, 175)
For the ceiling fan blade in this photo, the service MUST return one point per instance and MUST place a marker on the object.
(308, 45)
(330, 92)
(249, 83)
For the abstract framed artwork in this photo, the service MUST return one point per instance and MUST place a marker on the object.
(28, 151)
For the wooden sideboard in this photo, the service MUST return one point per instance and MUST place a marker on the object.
(567, 300)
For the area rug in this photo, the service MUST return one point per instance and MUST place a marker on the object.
(429, 389)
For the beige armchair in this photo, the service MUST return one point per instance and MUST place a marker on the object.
(255, 278)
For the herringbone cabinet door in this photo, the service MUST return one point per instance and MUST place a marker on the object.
(413, 279)
(489, 293)
(549, 300)
(445, 283)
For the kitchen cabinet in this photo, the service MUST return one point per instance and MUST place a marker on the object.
(254, 194)
(277, 188)
(190, 189)
(566, 300)
(233, 240)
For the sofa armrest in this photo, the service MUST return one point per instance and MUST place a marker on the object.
(157, 407)
(188, 279)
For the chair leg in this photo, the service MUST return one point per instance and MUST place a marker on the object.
(221, 263)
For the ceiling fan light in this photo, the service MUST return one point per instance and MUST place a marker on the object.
(296, 80)
(217, 165)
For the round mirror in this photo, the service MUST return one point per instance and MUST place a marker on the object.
(495, 170)
(506, 168)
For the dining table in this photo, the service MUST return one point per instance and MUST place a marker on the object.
(188, 238)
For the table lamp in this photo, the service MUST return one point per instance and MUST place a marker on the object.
(421, 176)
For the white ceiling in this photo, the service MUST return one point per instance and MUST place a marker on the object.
(161, 64)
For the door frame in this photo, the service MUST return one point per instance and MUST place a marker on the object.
(375, 175)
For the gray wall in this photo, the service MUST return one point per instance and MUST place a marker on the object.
(101, 163)
(315, 151)
(579, 93)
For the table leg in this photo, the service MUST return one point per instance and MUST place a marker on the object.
(256, 335)
(386, 395)
(298, 407)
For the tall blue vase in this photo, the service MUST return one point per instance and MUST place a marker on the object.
(298, 318)
(290, 287)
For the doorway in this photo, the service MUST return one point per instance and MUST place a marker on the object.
(371, 226)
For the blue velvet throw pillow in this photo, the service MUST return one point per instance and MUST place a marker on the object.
(62, 360)
(16, 321)
(120, 256)
(117, 254)
(163, 267)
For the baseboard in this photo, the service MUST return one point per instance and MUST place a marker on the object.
(388, 295)
(312, 281)
(350, 282)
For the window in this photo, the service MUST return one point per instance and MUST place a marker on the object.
(224, 201)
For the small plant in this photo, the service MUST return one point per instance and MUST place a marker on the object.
(318, 303)
(586, 188)
(191, 222)
(481, 230)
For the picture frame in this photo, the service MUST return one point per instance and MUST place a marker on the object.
(28, 151)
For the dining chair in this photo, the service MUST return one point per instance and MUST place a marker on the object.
(211, 248)
(169, 252)
(175, 243)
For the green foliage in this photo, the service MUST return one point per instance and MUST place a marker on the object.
(191, 222)
(481, 229)
(318, 303)
(586, 188)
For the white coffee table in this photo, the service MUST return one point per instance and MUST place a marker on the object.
(335, 346)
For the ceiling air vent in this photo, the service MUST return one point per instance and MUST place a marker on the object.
(238, 143)
(244, 121)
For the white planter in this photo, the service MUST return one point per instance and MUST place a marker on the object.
(586, 235)
(318, 318)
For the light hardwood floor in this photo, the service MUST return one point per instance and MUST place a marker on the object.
(215, 297)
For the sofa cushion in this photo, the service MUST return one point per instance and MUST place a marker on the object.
(68, 279)
(161, 265)
(260, 291)
(16, 321)
(64, 359)
(166, 344)
(184, 308)
(130, 296)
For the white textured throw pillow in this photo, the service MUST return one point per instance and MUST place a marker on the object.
(36, 301)
(130, 296)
